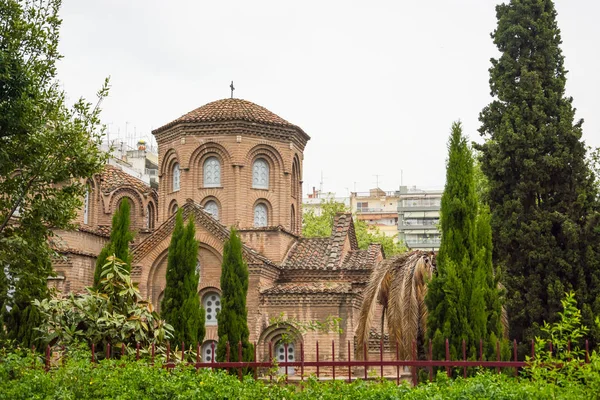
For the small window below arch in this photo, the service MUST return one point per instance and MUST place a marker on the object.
(174, 208)
(176, 177)
(212, 172)
(260, 174)
(212, 208)
(212, 306)
(285, 352)
(260, 215)
(150, 216)
(209, 350)
(293, 219)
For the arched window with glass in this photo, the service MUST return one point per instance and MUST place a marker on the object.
(212, 208)
(212, 306)
(260, 174)
(212, 172)
(86, 206)
(176, 177)
(261, 217)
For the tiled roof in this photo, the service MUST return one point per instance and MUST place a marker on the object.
(202, 218)
(230, 110)
(100, 230)
(326, 253)
(309, 287)
(112, 178)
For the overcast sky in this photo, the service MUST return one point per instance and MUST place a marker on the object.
(376, 84)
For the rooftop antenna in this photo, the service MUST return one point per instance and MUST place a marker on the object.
(232, 89)
(321, 183)
(377, 180)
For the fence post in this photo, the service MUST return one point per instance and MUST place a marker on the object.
(240, 376)
(397, 363)
(430, 356)
(108, 351)
(153, 352)
(333, 358)
(271, 360)
(285, 352)
(317, 360)
(448, 371)
(47, 361)
(228, 348)
(182, 351)
(122, 350)
(498, 354)
(587, 351)
(464, 349)
(365, 357)
(93, 353)
(302, 360)
(381, 356)
(480, 350)
(515, 356)
(255, 367)
(349, 364)
(414, 367)
(532, 349)
(213, 355)
(168, 354)
(197, 355)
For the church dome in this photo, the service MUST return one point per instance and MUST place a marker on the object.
(230, 110)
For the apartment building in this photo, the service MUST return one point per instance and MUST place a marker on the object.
(418, 217)
(377, 208)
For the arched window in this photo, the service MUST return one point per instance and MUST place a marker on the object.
(212, 172)
(212, 208)
(285, 352)
(176, 177)
(294, 180)
(260, 174)
(260, 215)
(293, 219)
(86, 206)
(209, 350)
(174, 208)
(212, 306)
(150, 216)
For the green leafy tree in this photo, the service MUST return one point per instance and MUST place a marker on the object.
(47, 150)
(463, 299)
(113, 313)
(541, 192)
(118, 245)
(314, 225)
(180, 306)
(233, 317)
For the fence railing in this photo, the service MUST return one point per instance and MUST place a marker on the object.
(324, 364)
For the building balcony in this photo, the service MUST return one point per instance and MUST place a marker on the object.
(369, 210)
(418, 207)
(423, 243)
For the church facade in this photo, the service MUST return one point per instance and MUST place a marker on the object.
(229, 163)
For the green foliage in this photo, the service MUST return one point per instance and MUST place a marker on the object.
(180, 306)
(22, 377)
(462, 298)
(47, 150)
(118, 245)
(541, 193)
(233, 317)
(321, 226)
(113, 313)
(295, 328)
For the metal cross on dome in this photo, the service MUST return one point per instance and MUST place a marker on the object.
(232, 89)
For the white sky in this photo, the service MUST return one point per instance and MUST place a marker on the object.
(376, 84)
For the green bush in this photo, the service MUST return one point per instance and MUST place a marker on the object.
(123, 379)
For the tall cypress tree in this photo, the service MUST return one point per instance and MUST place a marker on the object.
(120, 237)
(180, 306)
(462, 298)
(541, 192)
(233, 317)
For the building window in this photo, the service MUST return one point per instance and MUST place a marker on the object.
(176, 177)
(174, 208)
(212, 172)
(86, 206)
(362, 206)
(209, 349)
(260, 174)
(212, 208)
(212, 306)
(285, 353)
(150, 216)
(293, 219)
(260, 215)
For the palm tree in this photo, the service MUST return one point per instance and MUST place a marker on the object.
(399, 284)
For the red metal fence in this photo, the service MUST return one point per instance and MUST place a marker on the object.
(349, 367)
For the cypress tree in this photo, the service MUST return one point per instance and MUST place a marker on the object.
(541, 192)
(462, 298)
(180, 306)
(233, 317)
(120, 237)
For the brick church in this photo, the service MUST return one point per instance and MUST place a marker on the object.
(228, 163)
